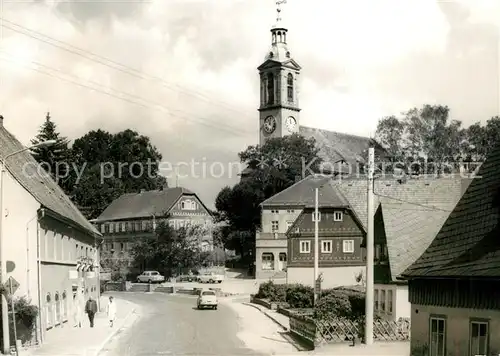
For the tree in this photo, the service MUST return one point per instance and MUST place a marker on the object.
(274, 167)
(107, 165)
(53, 158)
(423, 134)
(116, 263)
(480, 140)
(171, 250)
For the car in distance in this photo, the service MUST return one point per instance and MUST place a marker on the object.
(186, 278)
(207, 299)
(150, 277)
(210, 278)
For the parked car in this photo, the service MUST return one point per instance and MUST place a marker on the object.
(150, 277)
(210, 278)
(207, 299)
(186, 278)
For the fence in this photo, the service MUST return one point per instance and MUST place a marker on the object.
(317, 332)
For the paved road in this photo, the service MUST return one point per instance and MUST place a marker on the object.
(171, 325)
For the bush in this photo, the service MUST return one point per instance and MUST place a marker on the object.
(333, 305)
(26, 314)
(300, 296)
(272, 292)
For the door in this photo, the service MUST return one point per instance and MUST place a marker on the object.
(282, 261)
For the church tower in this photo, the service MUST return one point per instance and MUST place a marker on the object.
(279, 92)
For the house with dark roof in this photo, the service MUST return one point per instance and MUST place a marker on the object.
(50, 247)
(454, 286)
(134, 216)
(409, 212)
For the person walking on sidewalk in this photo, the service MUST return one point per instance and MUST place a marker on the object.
(91, 310)
(111, 310)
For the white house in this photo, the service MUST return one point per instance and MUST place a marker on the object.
(49, 245)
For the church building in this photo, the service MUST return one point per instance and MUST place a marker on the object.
(279, 115)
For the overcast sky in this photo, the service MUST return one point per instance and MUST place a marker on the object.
(195, 88)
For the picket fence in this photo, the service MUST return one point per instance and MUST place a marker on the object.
(339, 330)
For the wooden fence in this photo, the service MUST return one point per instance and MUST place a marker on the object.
(318, 332)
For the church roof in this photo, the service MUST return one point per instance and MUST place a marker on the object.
(336, 146)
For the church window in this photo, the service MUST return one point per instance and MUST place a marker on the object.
(270, 88)
(290, 87)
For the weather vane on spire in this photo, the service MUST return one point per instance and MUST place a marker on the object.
(278, 9)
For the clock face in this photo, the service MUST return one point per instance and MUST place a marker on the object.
(269, 124)
(290, 123)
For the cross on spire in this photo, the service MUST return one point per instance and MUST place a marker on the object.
(278, 9)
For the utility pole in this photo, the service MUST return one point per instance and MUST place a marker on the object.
(316, 245)
(369, 250)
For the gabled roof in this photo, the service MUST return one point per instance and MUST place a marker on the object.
(468, 244)
(336, 146)
(27, 172)
(144, 204)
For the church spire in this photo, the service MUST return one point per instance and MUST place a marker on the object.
(279, 50)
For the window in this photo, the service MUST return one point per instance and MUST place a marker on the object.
(479, 338)
(313, 215)
(171, 223)
(48, 310)
(111, 228)
(137, 226)
(77, 255)
(305, 246)
(86, 252)
(122, 246)
(438, 336)
(290, 211)
(270, 88)
(288, 225)
(382, 300)
(267, 261)
(183, 205)
(389, 301)
(102, 228)
(289, 82)
(57, 302)
(326, 246)
(64, 306)
(377, 252)
(274, 211)
(106, 228)
(274, 226)
(375, 299)
(337, 216)
(348, 246)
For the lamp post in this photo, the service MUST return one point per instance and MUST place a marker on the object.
(3, 261)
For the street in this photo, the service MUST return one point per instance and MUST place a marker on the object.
(171, 325)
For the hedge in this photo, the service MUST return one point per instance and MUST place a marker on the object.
(331, 303)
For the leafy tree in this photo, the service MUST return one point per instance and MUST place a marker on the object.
(116, 263)
(482, 139)
(273, 167)
(53, 158)
(390, 130)
(171, 249)
(107, 165)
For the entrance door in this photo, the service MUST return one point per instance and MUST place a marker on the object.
(282, 261)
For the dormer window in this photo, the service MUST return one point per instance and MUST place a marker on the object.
(188, 205)
(274, 211)
(337, 216)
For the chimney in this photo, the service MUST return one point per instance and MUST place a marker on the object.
(1, 120)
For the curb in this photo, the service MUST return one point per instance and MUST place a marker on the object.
(267, 314)
(117, 329)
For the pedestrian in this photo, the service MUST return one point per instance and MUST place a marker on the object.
(111, 309)
(91, 310)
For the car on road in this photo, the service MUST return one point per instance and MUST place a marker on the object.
(150, 277)
(210, 278)
(186, 278)
(207, 299)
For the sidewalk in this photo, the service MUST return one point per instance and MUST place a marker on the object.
(378, 348)
(278, 318)
(85, 341)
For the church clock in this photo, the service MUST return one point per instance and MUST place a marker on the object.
(290, 123)
(269, 124)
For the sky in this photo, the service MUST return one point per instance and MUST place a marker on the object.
(184, 72)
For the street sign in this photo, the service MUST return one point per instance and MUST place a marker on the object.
(11, 285)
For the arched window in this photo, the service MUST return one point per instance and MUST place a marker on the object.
(48, 310)
(57, 302)
(64, 306)
(289, 84)
(268, 261)
(183, 205)
(270, 88)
